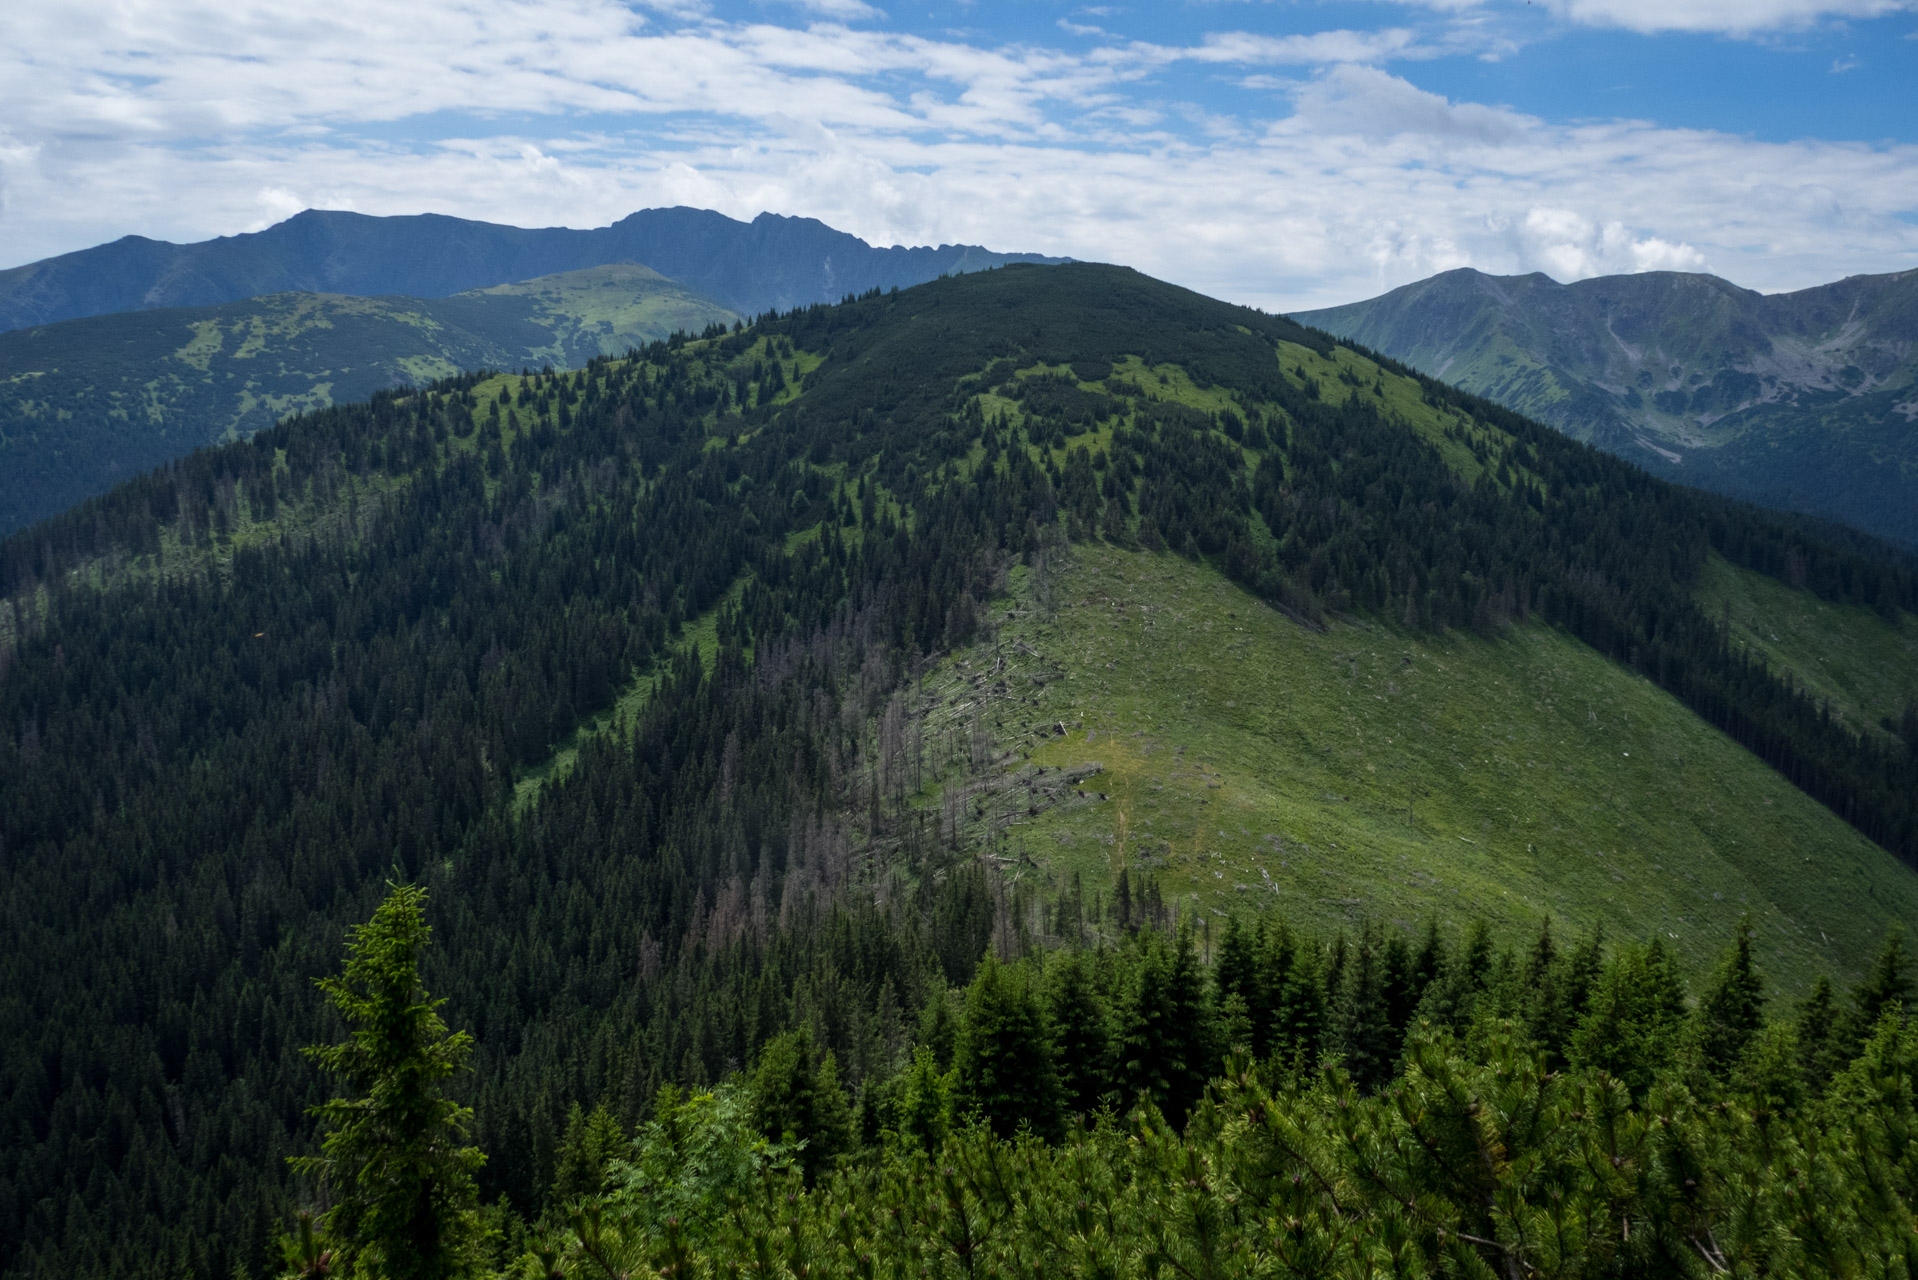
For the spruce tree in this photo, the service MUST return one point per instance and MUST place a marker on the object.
(592, 1142)
(939, 1027)
(1885, 986)
(1631, 1029)
(1235, 972)
(1453, 1001)
(1362, 1027)
(1733, 1008)
(1081, 1034)
(1820, 1052)
(401, 1182)
(1165, 1051)
(796, 1098)
(1428, 966)
(1198, 1051)
(1003, 1068)
(1402, 988)
(1297, 999)
(1582, 972)
(924, 1107)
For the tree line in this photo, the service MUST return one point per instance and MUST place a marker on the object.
(1299, 1107)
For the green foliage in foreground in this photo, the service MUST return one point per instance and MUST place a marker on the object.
(1478, 1161)
(1382, 1110)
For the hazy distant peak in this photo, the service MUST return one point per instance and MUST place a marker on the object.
(772, 262)
(1801, 400)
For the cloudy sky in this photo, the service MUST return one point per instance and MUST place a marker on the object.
(1286, 154)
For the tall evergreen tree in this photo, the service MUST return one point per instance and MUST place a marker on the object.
(592, 1142)
(1296, 990)
(1235, 976)
(1886, 986)
(1361, 1021)
(1165, 1041)
(797, 1098)
(1428, 966)
(1820, 1036)
(1545, 1015)
(1081, 1032)
(1733, 1008)
(1582, 972)
(401, 1182)
(1632, 1025)
(1453, 1001)
(1003, 1067)
(1402, 988)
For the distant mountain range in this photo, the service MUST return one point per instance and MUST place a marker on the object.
(121, 357)
(87, 403)
(770, 262)
(1804, 401)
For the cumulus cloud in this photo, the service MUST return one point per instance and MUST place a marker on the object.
(1735, 17)
(1316, 48)
(1570, 246)
(840, 10)
(1374, 104)
(1339, 180)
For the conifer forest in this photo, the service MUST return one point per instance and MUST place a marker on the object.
(510, 829)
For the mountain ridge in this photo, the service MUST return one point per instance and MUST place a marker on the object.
(774, 262)
(827, 612)
(1807, 401)
(87, 402)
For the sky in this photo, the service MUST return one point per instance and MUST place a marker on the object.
(1285, 154)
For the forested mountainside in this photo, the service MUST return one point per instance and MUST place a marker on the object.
(685, 685)
(771, 262)
(88, 403)
(1804, 401)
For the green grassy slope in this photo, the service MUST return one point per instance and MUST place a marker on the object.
(1364, 771)
(1866, 666)
(592, 312)
(87, 403)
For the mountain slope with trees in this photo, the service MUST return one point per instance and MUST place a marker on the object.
(87, 403)
(772, 262)
(245, 692)
(1804, 401)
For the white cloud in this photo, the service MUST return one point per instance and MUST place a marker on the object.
(1442, 6)
(1304, 50)
(839, 10)
(1567, 245)
(1374, 104)
(186, 119)
(1735, 17)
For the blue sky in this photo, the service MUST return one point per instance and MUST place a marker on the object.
(1285, 154)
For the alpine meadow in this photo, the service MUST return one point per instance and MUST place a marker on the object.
(1038, 773)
